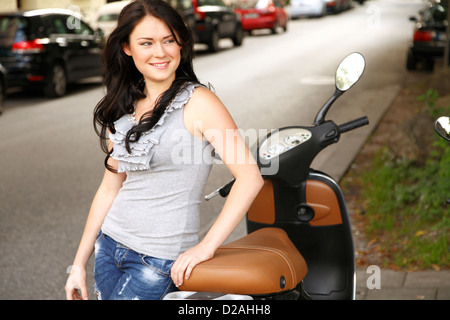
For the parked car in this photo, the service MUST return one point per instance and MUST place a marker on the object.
(107, 15)
(307, 8)
(336, 6)
(213, 21)
(262, 14)
(186, 8)
(429, 36)
(49, 48)
(2, 87)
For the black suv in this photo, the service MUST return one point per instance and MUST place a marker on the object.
(49, 48)
(213, 21)
(429, 36)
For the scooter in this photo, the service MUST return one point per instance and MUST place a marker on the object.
(442, 127)
(299, 243)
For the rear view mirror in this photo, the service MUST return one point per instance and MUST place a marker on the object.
(442, 127)
(347, 74)
(349, 71)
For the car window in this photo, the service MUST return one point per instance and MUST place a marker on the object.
(435, 14)
(262, 4)
(246, 4)
(180, 4)
(82, 28)
(12, 29)
(58, 25)
(210, 3)
(108, 17)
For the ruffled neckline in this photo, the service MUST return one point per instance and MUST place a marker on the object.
(142, 150)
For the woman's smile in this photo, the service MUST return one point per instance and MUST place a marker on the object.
(160, 65)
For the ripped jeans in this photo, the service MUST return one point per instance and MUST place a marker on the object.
(123, 274)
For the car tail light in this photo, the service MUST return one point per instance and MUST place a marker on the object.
(35, 78)
(423, 36)
(199, 15)
(29, 46)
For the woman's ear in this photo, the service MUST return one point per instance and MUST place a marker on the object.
(126, 49)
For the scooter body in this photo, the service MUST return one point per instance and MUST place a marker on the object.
(312, 211)
(301, 213)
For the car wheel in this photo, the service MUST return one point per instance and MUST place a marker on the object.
(238, 36)
(429, 64)
(2, 96)
(213, 43)
(410, 62)
(56, 83)
(275, 27)
(323, 12)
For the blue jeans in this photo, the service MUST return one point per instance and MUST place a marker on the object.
(123, 274)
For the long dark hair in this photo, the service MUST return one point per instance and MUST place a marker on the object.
(124, 85)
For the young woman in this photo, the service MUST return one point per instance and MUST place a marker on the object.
(158, 125)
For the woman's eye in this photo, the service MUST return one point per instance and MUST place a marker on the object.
(146, 43)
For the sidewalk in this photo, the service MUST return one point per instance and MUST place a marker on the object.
(403, 285)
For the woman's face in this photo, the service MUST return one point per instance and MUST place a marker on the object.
(154, 50)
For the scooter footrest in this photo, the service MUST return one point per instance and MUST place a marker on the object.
(263, 262)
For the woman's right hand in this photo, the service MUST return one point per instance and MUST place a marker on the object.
(76, 288)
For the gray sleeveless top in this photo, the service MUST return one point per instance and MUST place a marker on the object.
(156, 212)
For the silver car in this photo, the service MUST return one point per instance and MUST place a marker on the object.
(307, 8)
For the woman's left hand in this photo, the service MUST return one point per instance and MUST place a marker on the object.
(182, 267)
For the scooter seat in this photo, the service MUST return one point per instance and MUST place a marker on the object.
(263, 262)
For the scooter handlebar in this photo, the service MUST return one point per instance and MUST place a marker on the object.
(345, 127)
(225, 189)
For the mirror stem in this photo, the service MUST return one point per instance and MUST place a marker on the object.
(320, 118)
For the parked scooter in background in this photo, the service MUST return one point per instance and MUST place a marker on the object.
(300, 243)
(442, 127)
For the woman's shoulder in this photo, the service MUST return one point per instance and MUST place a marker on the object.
(204, 99)
(202, 91)
(205, 108)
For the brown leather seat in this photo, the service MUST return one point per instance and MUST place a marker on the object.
(263, 262)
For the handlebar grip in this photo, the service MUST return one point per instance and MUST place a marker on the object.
(223, 191)
(353, 124)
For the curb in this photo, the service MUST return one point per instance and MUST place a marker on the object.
(387, 284)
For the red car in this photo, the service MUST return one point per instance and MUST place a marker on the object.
(262, 14)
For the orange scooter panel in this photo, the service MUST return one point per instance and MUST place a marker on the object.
(318, 195)
(263, 208)
(324, 202)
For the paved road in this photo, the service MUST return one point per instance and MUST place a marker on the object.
(50, 159)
